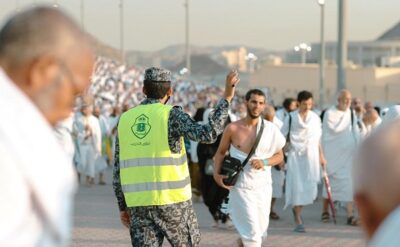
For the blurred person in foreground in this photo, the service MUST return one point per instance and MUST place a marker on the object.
(45, 62)
(151, 175)
(376, 185)
(250, 198)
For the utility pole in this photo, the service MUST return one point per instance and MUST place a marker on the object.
(322, 56)
(342, 46)
(188, 62)
(121, 5)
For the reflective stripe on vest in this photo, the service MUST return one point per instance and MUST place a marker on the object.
(156, 186)
(164, 161)
(150, 173)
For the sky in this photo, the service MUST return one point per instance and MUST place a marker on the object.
(270, 24)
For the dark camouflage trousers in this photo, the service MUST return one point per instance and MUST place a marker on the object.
(177, 222)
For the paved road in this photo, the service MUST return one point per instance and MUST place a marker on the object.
(96, 224)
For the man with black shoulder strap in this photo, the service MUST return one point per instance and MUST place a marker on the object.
(250, 197)
(340, 137)
(151, 176)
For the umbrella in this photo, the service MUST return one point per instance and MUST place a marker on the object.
(329, 193)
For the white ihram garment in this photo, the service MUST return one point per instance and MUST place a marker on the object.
(89, 148)
(37, 181)
(339, 142)
(387, 234)
(278, 176)
(250, 199)
(303, 166)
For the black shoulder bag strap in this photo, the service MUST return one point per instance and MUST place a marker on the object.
(253, 149)
(352, 117)
(290, 126)
(352, 127)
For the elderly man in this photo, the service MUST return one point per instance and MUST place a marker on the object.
(371, 120)
(340, 135)
(377, 183)
(45, 61)
(357, 106)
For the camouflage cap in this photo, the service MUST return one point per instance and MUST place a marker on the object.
(157, 75)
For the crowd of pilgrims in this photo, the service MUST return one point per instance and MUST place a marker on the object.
(89, 134)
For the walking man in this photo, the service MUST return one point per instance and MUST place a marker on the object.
(340, 136)
(304, 157)
(376, 185)
(250, 197)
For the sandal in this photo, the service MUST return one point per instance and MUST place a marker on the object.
(300, 228)
(352, 221)
(325, 217)
(274, 216)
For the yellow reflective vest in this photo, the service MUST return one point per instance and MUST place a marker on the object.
(150, 173)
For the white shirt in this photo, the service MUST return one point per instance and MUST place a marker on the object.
(63, 132)
(271, 142)
(281, 114)
(32, 165)
(387, 234)
(392, 113)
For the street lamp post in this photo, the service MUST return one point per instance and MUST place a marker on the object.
(121, 23)
(251, 58)
(322, 57)
(342, 46)
(188, 62)
(303, 48)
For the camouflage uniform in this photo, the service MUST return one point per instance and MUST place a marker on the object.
(177, 222)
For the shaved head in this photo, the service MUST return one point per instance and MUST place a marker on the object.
(370, 116)
(269, 112)
(344, 100)
(35, 32)
(44, 52)
(377, 175)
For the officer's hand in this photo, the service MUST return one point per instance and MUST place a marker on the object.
(219, 180)
(125, 218)
(232, 79)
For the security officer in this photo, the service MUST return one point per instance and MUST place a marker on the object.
(151, 177)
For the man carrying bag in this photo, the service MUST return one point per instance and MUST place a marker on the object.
(250, 197)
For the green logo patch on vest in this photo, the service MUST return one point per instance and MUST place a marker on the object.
(141, 127)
